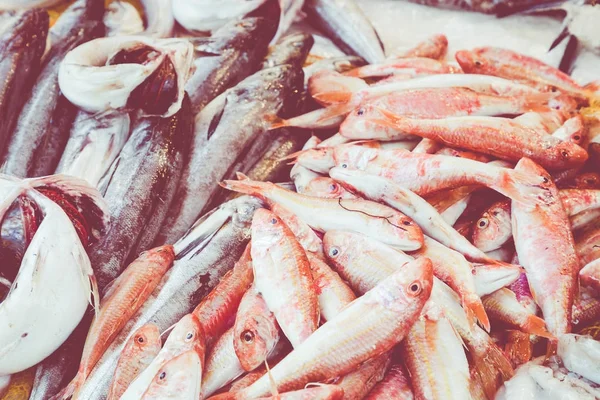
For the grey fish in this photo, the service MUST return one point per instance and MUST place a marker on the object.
(291, 49)
(232, 53)
(203, 256)
(94, 143)
(338, 64)
(344, 22)
(223, 130)
(22, 45)
(139, 188)
(43, 126)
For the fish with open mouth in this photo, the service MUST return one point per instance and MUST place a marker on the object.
(203, 256)
(21, 47)
(42, 129)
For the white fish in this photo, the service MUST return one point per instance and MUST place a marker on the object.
(159, 18)
(122, 18)
(208, 15)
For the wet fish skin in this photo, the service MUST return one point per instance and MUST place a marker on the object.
(320, 392)
(45, 120)
(483, 6)
(434, 47)
(290, 49)
(222, 365)
(395, 384)
(357, 384)
(22, 47)
(139, 351)
(139, 188)
(179, 378)
(347, 26)
(493, 228)
(211, 252)
(230, 54)
(225, 128)
(334, 293)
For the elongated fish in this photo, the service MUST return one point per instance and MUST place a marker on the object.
(21, 47)
(344, 22)
(42, 130)
(139, 188)
(203, 256)
(223, 130)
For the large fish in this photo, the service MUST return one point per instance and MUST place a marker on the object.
(203, 256)
(139, 188)
(223, 131)
(344, 22)
(42, 130)
(22, 44)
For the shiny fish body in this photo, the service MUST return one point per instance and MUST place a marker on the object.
(395, 384)
(334, 294)
(178, 379)
(222, 365)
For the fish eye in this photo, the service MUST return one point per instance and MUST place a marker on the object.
(333, 187)
(189, 336)
(247, 337)
(564, 153)
(406, 222)
(344, 165)
(483, 222)
(414, 288)
(334, 251)
(545, 180)
(140, 339)
(577, 138)
(274, 221)
(360, 111)
(478, 63)
(162, 375)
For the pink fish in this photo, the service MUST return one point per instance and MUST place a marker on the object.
(395, 385)
(179, 378)
(434, 47)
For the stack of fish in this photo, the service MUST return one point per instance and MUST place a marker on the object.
(440, 228)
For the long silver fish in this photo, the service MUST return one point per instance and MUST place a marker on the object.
(222, 60)
(223, 131)
(22, 45)
(43, 126)
(139, 188)
(203, 256)
(95, 142)
(344, 22)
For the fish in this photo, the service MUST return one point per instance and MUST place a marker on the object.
(187, 335)
(229, 55)
(327, 188)
(551, 269)
(318, 392)
(289, 50)
(139, 351)
(382, 222)
(518, 347)
(504, 306)
(222, 365)
(587, 245)
(490, 278)
(345, 24)
(414, 172)
(589, 274)
(42, 128)
(121, 300)
(208, 15)
(383, 190)
(515, 141)
(139, 187)
(127, 72)
(203, 256)
(493, 228)
(320, 358)
(282, 276)
(22, 44)
(122, 18)
(301, 175)
(358, 383)
(434, 47)
(586, 308)
(28, 4)
(178, 378)
(255, 332)
(395, 384)
(94, 143)
(409, 67)
(334, 294)
(160, 21)
(217, 134)
(512, 65)
(218, 309)
(308, 239)
(338, 64)
(435, 359)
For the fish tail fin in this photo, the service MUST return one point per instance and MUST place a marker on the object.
(328, 87)
(275, 122)
(492, 366)
(254, 188)
(474, 307)
(518, 347)
(336, 111)
(292, 156)
(536, 326)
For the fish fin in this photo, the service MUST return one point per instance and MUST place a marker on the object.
(336, 110)
(274, 390)
(518, 347)
(522, 187)
(561, 36)
(328, 87)
(242, 177)
(474, 307)
(492, 366)
(536, 326)
(70, 390)
(275, 122)
(253, 188)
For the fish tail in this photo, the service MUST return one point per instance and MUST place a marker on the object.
(474, 307)
(522, 187)
(492, 366)
(275, 122)
(336, 110)
(536, 326)
(254, 188)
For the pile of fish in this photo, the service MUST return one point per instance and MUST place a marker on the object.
(436, 236)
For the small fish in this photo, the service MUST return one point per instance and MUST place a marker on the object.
(493, 229)
(371, 218)
(122, 299)
(327, 188)
(395, 384)
(334, 293)
(358, 383)
(255, 332)
(187, 335)
(307, 238)
(139, 351)
(179, 378)
(282, 276)
(347, 26)
(434, 47)
(551, 263)
(319, 358)
(222, 365)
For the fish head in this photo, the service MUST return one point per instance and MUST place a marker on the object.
(563, 102)
(362, 122)
(163, 255)
(187, 334)
(570, 154)
(410, 286)
(342, 247)
(267, 230)
(472, 62)
(327, 188)
(178, 378)
(588, 180)
(352, 156)
(493, 228)
(147, 339)
(318, 159)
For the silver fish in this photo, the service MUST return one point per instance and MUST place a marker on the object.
(203, 256)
